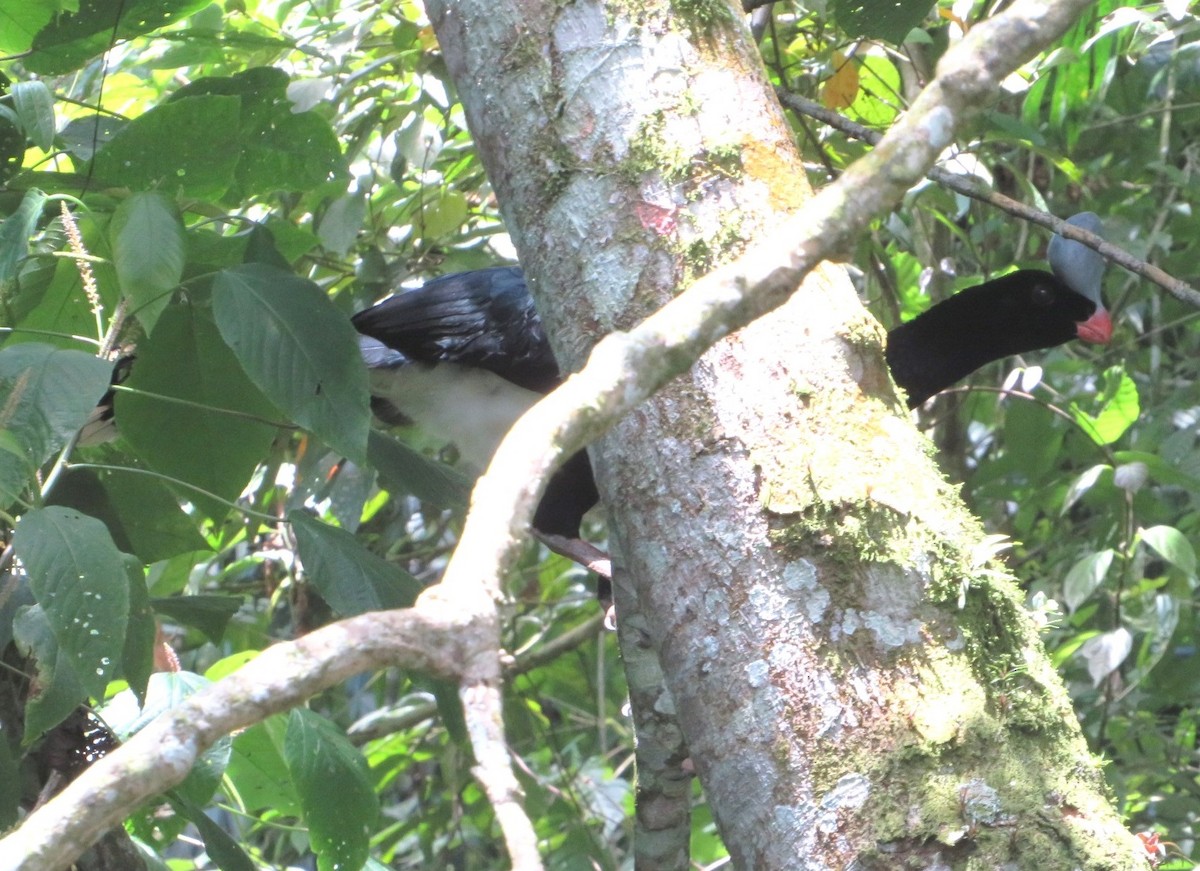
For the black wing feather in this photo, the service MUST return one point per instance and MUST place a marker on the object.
(483, 318)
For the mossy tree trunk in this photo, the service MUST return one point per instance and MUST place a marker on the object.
(856, 686)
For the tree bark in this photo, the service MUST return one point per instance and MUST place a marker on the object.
(857, 685)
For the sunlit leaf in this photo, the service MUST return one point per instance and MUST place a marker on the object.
(1119, 411)
(15, 231)
(35, 108)
(1085, 577)
(1082, 485)
(72, 38)
(1173, 546)
(46, 395)
(877, 103)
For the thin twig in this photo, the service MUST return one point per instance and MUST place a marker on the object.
(972, 188)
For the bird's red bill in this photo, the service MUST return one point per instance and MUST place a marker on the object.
(1098, 328)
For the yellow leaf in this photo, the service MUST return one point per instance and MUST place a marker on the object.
(949, 15)
(841, 88)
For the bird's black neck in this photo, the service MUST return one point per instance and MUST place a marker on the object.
(971, 329)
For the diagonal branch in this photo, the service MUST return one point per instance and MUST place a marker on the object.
(969, 187)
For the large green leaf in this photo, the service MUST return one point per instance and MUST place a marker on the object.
(20, 23)
(1119, 411)
(334, 784)
(191, 440)
(1173, 546)
(46, 394)
(35, 107)
(299, 349)
(221, 847)
(351, 578)
(404, 470)
(70, 39)
(80, 580)
(148, 252)
(141, 636)
(889, 20)
(1085, 577)
(186, 146)
(281, 149)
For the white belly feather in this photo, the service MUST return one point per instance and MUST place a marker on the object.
(470, 407)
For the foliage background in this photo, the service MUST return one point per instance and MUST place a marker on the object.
(244, 175)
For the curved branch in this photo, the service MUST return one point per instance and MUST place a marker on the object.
(281, 677)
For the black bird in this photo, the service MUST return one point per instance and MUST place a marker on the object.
(463, 357)
(465, 354)
(1022, 311)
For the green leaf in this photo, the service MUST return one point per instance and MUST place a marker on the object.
(64, 308)
(20, 22)
(57, 690)
(1119, 411)
(71, 38)
(444, 215)
(280, 149)
(79, 578)
(15, 232)
(190, 439)
(137, 658)
(1173, 546)
(148, 252)
(889, 20)
(222, 849)
(1085, 577)
(187, 147)
(209, 614)
(334, 784)
(299, 349)
(157, 528)
(1082, 485)
(351, 578)
(258, 771)
(46, 394)
(10, 784)
(878, 80)
(342, 221)
(404, 470)
(35, 108)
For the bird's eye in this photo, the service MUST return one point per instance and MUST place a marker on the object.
(1042, 295)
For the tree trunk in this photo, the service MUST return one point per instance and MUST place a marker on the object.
(857, 687)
